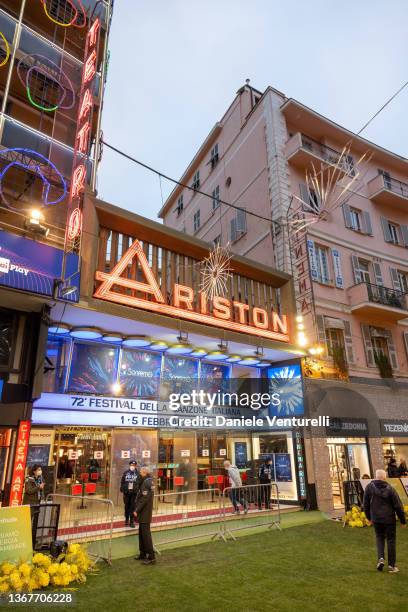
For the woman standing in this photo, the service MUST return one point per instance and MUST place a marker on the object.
(34, 487)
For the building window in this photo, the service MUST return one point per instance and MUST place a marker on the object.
(238, 225)
(196, 180)
(355, 216)
(322, 264)
(364, 270)
(214, 156)
(216, 197)
(403, 281)
(380, 345)
(394, 232)
(196, 220)
(386, 177)
(180, 205)
(335, 340)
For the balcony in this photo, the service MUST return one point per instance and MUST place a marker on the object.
(303, 152)
(389, 191)
(374, 300)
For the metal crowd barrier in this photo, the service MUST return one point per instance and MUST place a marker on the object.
(248, 506)
(185, 515)
(86, 520)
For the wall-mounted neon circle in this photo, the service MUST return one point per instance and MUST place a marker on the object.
(4, 62)
(73, 20)
(43, 65)
(74, 224)
(35, 162)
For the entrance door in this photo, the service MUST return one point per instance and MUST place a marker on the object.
(348, 461)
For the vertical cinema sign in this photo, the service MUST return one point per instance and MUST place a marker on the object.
(82, 138)
(20, 459)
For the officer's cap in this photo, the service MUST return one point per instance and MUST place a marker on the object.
(133, 462)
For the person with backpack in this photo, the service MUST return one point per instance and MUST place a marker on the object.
(236, 494)
(381, 504)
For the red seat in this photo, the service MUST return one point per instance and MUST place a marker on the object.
(84, 477)
(220, 479)
(244, 476)
(159, 472)
(90, 488)
(211, 480)
(76, 489)
(94, 476)
(179, 481)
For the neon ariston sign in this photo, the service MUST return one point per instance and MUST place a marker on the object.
(221, 312)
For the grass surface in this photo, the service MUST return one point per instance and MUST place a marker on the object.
(311, 567)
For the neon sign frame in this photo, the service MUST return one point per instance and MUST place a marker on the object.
(275, 328)
(20, 460)
(41, 70)
(4, 62)
(72, 22)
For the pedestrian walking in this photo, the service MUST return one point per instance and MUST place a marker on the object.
(381, 504)
(129, 486)
(236, 493)
(143, 514)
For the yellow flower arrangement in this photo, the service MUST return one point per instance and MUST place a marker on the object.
(355, 518)
(43, 571)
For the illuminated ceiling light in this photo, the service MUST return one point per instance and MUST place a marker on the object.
(116, 388)
(234, 358)
(159, 345)
(300, 326)
(86, 333)
(179, 349)
(198, 352)
(299, 319)
(216, 356)
(249, 361)
(116, 338)
(301, 338)
(136, 341)
(59, 328)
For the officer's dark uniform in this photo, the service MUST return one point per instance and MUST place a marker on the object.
(144, 511)
(129, 487)
(265, 479)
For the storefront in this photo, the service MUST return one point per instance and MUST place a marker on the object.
(143, 330)
(395, 444)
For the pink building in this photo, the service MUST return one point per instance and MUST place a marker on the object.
(350, 265)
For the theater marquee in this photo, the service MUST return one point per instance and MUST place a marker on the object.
(219, 311)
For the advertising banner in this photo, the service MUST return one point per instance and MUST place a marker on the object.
(15, 534)
(29, 265)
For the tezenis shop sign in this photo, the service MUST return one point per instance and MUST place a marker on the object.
(255, 321)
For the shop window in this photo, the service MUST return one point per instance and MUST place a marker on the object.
(56, 364)
(139, 374)
(93, 368)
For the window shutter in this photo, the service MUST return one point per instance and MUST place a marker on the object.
(312, 260)
(367, 227)
(406, 341)
(347, 215)
(386, 230)
(395, 279)
(391, 349)
(377, 273)
(321, 332)
(305, 196)
(233, 230)
(241, 221)
(338, 275)
(356, 271)
(348, 341)
(368, 347)
(404, 234)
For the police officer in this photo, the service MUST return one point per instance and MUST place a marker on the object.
(129, 488)
(265, 479)
(143, 514)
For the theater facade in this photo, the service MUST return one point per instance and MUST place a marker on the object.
(144, 329)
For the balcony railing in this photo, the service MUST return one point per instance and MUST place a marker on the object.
(386, 296)
(384, 189)
(302, 150)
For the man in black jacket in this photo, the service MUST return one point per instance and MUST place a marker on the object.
(129, 486)
(266, 476)
(143, 514)
(381, 504)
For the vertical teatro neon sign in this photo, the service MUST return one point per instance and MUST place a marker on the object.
(20, 459)
(82, 140)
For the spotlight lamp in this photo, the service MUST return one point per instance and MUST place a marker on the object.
(33, 223)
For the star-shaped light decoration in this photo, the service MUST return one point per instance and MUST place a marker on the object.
(327, 188)
(215, 271)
